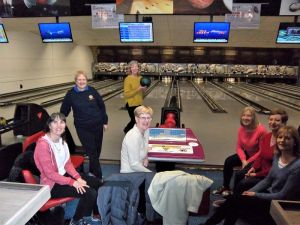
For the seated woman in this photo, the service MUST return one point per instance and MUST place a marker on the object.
(249, 134)
(52, 158)
(135, 143)
(282, 183)
(261, 166)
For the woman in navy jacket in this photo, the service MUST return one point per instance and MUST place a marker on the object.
(90, 119)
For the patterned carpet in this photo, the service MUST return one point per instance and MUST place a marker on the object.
(213, 173)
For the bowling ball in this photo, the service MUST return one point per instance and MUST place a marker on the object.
(145, 82)
(201, 4)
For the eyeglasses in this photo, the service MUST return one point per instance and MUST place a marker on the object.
(145, 118)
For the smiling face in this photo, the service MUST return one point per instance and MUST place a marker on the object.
(134, 69)
(247, 119)
(275, 122)
(81, 81)
(285, 142)
(143, 121)
(57, 127)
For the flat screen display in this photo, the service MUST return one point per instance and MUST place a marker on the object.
(55, 32)
(288, 33)
(211, 32)
(3, 37)
(136, 32)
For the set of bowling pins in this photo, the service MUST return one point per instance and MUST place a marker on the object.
(198, 80)
(230, 80)
(167, 79)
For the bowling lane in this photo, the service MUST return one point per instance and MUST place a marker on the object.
(156, 100)
(266, 92)
(216, 131)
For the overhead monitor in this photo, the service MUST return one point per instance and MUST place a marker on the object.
(288, 33)
(3, 37)
(132, 32)
(211, 32)
(56, 32)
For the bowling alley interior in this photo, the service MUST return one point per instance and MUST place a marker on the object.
(201, 64)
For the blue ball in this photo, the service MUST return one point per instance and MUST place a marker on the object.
(145, 82)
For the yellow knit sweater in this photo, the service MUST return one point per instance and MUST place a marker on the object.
(133, 96)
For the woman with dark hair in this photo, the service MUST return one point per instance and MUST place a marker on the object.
(261, 166)
(133, 92)
(52, 158)
(282, 183)
(249, 134)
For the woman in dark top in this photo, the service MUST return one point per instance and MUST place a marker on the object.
(282, 183)
(90, 119)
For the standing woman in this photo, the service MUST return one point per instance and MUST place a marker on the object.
(249, 135)
(282, 183)
(261, 166)
(133, 92)
(90, 119)
(52, 158)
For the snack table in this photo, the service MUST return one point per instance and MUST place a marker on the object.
(186, 148)
(19, 202)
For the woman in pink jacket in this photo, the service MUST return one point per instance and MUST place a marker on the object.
(249, 135)
(52, 158)
(262, 165)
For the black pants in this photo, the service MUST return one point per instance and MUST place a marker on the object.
(87, 201)
(240, 175)
(230, 162)
(92, 143)
(130, 110)
(245, 184)
(252, 209)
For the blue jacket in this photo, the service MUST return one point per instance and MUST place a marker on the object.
(88, 108)
(118, 198)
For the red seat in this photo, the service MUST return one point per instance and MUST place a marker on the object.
(31, 139)
(29, 179)
(77, 160)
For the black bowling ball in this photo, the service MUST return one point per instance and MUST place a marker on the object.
(145, 82)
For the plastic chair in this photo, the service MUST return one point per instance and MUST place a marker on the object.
(77, 160)
(31, 139)
(30, 179)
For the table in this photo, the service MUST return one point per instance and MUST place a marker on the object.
(191, 140)
(19, 202)
(285, 212)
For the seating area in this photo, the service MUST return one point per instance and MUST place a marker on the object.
(9, 154)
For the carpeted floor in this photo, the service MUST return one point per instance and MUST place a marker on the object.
(212, 173)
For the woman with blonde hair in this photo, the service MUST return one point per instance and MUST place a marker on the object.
(262, 164)
(133, 92)
(90, 118)
(135, 143)
(282, 183)
(249, 134)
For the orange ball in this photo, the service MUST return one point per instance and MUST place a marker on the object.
(201, 4)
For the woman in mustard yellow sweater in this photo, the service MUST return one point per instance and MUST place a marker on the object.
(133, 92)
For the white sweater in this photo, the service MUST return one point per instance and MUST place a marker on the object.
(174, 194)
(134, 151)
